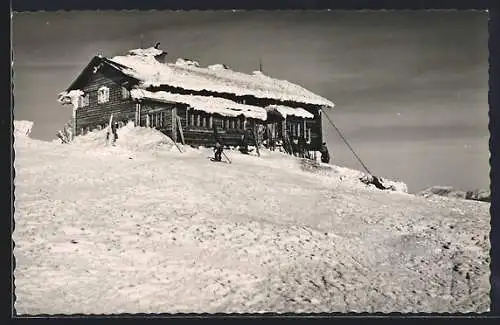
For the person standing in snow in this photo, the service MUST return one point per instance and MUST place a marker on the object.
(218, 151)
(325, 155)
(114, 128)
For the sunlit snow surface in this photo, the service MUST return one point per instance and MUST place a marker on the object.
(189, 75)
(141, 227)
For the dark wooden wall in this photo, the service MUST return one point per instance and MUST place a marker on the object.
(160, 116)
(316, 130)
(98, 113)
(201, 132)
(197, 126)
(314, 124)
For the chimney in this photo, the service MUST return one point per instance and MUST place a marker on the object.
(162, 56)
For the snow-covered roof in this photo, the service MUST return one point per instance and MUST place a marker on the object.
(151, 51)
(70, 97)
(187, 62)
(289, 111)
(142, 65)
(213, 105)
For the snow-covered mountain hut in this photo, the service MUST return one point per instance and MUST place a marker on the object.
(187, 102)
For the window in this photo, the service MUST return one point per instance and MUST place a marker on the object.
(125, 93)
(226, 124)
(191, 123)
(157, 120)
(298, 129)
(164, 119)
(103, 95)
(238, 123)
(203, 121)
(233, 124)
(83, 101)
(210, 122)
(198, 119)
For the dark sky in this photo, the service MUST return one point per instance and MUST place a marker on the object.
(410, 87)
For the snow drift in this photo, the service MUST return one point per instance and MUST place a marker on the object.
(141, 227)
(448, 191)
(22, 128)
(131, 138)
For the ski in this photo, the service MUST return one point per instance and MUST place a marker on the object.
(213, 160)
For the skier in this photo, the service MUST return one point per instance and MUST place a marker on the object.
(114, 130)
(114, 127)
(325, 155)
(218, 151)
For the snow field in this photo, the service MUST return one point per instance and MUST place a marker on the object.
(141, 227)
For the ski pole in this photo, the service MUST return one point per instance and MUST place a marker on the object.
(229, 160)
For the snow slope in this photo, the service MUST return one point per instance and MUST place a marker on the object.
(141, 227)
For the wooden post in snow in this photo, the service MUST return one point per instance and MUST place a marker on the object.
(286, 140)
(138, 114)
(179, 125)
(73, 122)
(256, 138)
(74, 102)
(174, 124)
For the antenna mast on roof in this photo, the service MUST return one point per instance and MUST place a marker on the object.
(260, 64)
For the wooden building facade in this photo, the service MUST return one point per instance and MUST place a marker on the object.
(107, 90)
